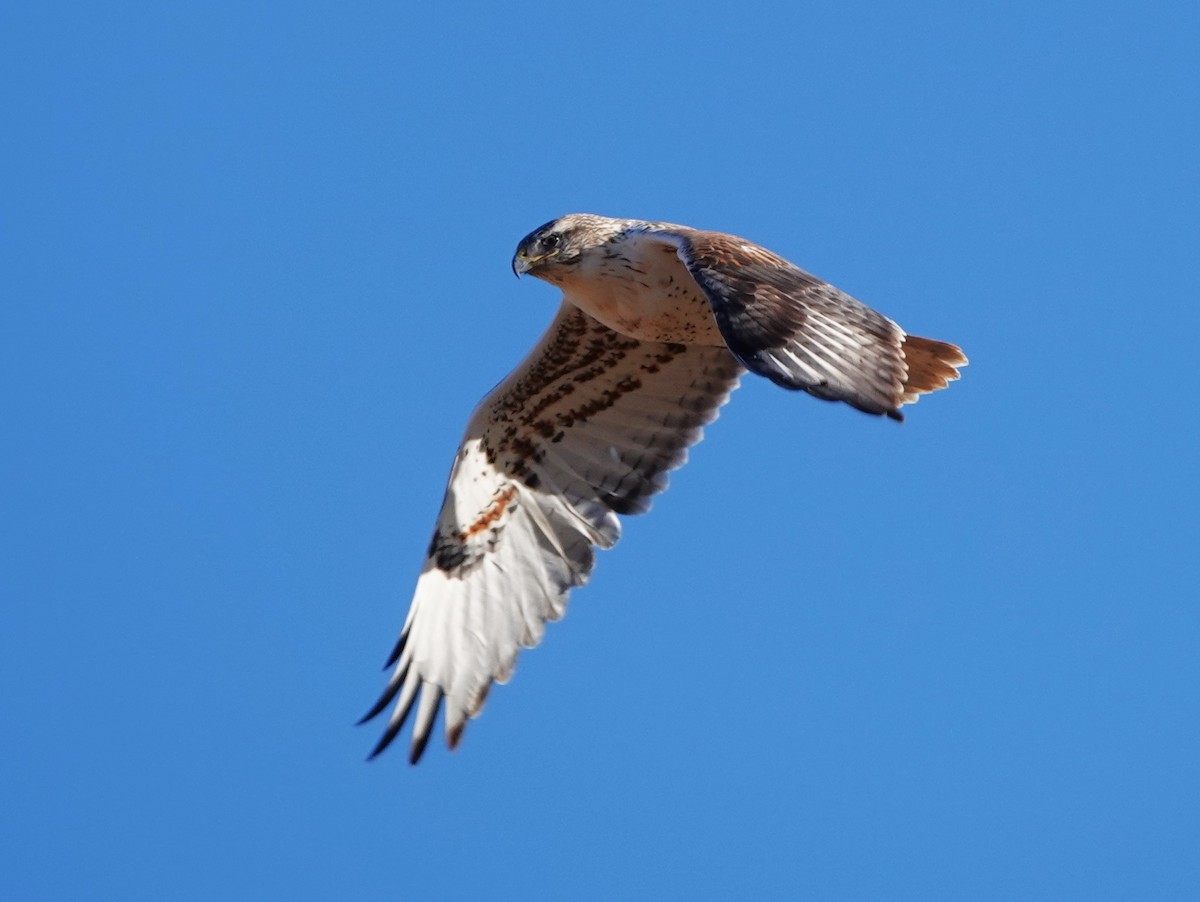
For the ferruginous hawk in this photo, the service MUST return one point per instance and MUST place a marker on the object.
(656, 326)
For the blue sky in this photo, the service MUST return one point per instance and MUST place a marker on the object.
(254, 262)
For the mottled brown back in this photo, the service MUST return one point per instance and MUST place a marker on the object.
(803, 333)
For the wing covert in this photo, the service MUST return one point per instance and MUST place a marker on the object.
(584, 429)
(803, 333)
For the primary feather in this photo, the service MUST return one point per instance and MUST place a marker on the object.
(657, 324)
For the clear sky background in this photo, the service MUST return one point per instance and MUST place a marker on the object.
(254, 275)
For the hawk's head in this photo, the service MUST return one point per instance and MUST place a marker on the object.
(551, 251)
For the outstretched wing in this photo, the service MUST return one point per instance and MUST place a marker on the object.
(802, 333)
(586, 428)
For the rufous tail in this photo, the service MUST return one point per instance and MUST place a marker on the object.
(931, 365)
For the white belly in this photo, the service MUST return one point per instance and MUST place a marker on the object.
(643, 290)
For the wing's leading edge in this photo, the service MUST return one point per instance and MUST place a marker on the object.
(584, 429)
(803, 333)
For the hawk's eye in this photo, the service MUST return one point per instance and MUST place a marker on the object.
(549, 242)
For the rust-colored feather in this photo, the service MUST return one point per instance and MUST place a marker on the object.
(932, 365)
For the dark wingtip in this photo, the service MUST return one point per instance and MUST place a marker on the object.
(418, 748)
(399, 716)
(385, 740)
(397, 651)
(385, 699)
(424, 726)
(375, 708)
(895, 415)
(454, 737)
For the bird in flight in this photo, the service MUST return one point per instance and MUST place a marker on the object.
(657, 324)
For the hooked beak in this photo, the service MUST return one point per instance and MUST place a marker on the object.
(521, 264)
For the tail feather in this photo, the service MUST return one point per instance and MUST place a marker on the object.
(932, 365)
